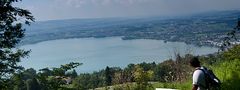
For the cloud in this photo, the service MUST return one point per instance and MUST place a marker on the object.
(64, 9)
(78, 3)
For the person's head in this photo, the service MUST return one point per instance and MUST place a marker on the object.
(194, 62)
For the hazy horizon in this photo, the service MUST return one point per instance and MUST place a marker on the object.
(44, 10)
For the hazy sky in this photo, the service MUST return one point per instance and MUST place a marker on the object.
(67, 9)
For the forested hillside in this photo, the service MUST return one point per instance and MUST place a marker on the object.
(145, 76)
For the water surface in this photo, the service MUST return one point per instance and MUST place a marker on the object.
(97, 53)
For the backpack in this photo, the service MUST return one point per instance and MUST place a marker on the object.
(212, 82)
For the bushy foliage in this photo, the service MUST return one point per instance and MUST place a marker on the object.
(229, 74)
(231, 54)
(229, 69)
(142, 78)
(11, 32)
(225, 65)
(141, 75)
(45, 79)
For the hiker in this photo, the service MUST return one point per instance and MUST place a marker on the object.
(199, 82)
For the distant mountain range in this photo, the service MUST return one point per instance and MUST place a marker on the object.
(201, 29)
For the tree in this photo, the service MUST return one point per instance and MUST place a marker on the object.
(82, 82)
(28, 74)
(17, 83)
(128, 73)
(231, 36)
(142, 78)
(72, 74)
(53, 79)
(108, 76)
(11, 32)
(64, 68)
(165, 71)
(32, 84)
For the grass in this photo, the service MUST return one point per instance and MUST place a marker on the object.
(175, 85)
(227, 71)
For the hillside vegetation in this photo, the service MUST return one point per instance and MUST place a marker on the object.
(144, 76)
(225, 66)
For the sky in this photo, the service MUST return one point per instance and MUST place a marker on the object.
(68, 9)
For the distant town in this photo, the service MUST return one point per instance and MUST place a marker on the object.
(204, 29)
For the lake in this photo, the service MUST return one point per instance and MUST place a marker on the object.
(97, 53)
